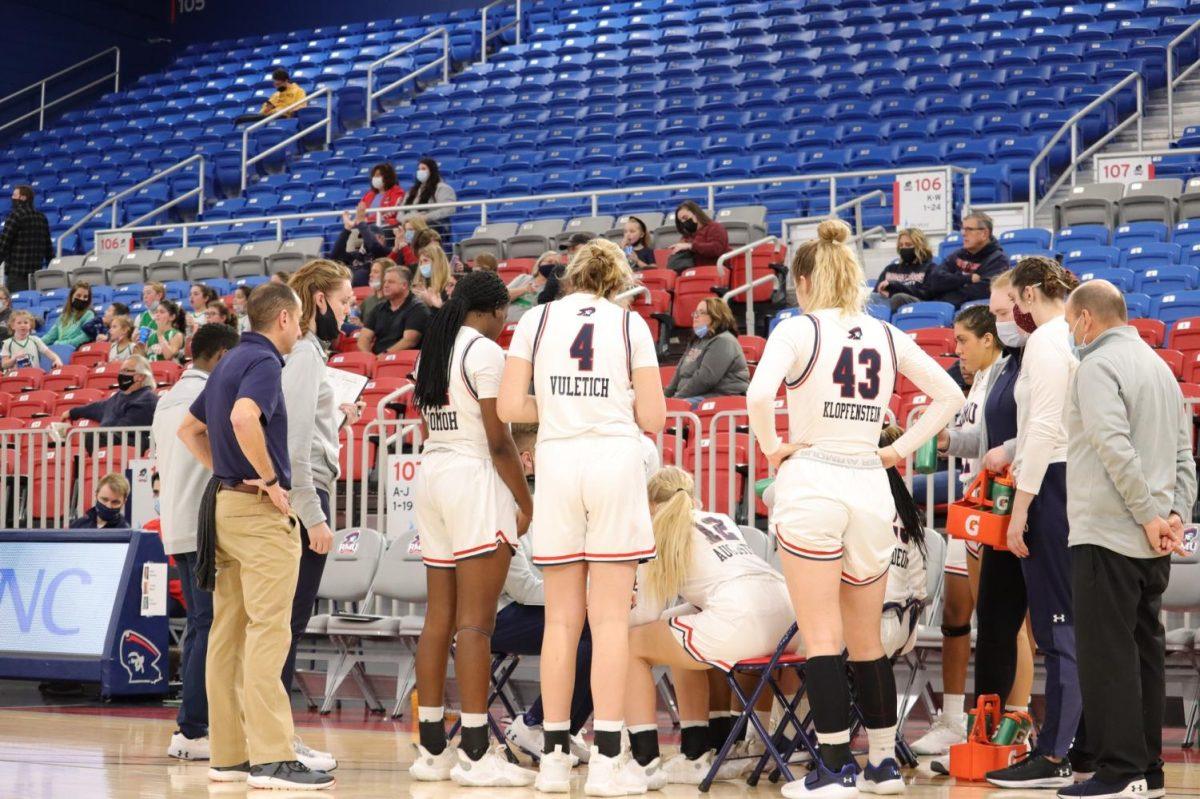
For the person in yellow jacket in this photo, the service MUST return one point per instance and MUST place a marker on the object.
(286, 93)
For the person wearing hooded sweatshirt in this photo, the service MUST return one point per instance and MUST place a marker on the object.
(965, 275)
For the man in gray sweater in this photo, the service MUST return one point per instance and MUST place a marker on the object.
(1131, 484)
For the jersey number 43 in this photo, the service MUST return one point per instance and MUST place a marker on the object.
(846, 377)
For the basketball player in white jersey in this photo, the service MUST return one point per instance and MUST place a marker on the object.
(833, 505)
(472, 502)
(739, 609)
(596, 387)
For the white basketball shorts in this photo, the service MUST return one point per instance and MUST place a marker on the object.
(463, 508)
(723, 633)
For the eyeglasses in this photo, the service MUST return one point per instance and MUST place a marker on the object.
(698, 314)
(975, 229)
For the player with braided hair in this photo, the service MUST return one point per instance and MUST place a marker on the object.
(472, 502)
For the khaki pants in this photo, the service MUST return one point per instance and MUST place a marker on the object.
(258, 558)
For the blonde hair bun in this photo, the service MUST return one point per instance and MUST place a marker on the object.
(833, 230)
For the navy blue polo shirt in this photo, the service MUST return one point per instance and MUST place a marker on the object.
(254, 370)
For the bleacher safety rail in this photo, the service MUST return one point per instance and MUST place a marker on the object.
(1071, 126)
(327, 123)
(594, 195)
(749, 285)
(115, 200)
(485, 37)
(1172, 79)
(43, 106)
(372, 95)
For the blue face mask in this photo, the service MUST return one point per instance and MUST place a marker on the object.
(408, 236)
(1075, 348)
(426, 271)
(157, 509)
(701, 331)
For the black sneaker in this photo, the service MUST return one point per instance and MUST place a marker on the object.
(1035, 771)
(1156, 784)
(1095, 789)
(289, 775)
(238, 773)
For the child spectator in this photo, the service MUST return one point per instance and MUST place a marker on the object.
(218, 313)
(124, 345)
(200, 296)
(24, 349)
(241, 295)
(152, 295)
(166, 342)
(639, 247)
(98, 329)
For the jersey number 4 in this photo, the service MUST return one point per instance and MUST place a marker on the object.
(581, 348)
(845, 376)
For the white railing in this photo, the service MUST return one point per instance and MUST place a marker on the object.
(1174, 80)
(629, 294)
(594, 195)
(443, 62)
(485, 37)
(1071, 126)
(748, 251)
(327, 123)
(114, 200)
(40, 111)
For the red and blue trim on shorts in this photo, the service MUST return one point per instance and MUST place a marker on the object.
(468, 554)
(823, 555)
(685, 633)
(640, 556)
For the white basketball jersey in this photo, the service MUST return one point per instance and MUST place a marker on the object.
(476, 364)
(583, 350)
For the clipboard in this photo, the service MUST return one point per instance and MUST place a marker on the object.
(347, 388)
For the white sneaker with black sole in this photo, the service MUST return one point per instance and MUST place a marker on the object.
(238, 773)
(611, 776)
(288, 775)
(185, 748)
(315, 759)
(490, 771)
(433, 768)
(554, 773)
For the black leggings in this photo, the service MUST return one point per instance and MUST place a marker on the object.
(999, 612)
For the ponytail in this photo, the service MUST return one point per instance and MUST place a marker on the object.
(482, 292)
(673, 491)
(912, 529)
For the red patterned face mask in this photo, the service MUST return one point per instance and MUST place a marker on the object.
(1023, 320)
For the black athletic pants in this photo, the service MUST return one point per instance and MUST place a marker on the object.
(312, 566)
(999, 613)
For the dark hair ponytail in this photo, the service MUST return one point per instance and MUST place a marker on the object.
(482, 292)
(912, 529)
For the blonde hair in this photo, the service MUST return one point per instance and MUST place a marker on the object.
(441, 267)
(123, 322)
(673, 492)
(921, 247)
(1002, 280)
(416, 222)
(320, 275)
(835, 278)
(116, 482)
(157, 288)
(18, 315)
(487, 261)
(599, 267)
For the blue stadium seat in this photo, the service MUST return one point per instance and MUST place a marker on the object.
(1139, 233)
(1124, 279)
(1172, 307)
(923, 314)
(1090, 256)
(1081, 235)
(1141, 257)
(1167, 280)
(1038, 237)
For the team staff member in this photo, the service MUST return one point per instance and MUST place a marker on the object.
(1132, 484)
(325, 295)
(238, 428)
(182, 479)
(1037, 529)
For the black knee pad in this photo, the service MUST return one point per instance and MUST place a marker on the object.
(955, 632)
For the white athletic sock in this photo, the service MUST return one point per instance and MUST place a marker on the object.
(474, 719)
(607, 726)
(431, 713)
(952, 708)
(882, 744)
(556, 726)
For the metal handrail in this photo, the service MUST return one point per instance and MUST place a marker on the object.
(444, 62)
(484, 38)
(1172, 79)
(832, 177)
(40, 111)
(327, 123)
(740, 290)
(629, 294)
(1072, 125)
(113, 200)
(748, 251)
(878, 231)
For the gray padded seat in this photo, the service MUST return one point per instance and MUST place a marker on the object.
(103, 260)
(144, 257)
(595, 225)
(51, 278)
(666, 234)
(286, 261)
(126, 274)
(349, 571)
(222, 252)
(165, 270)
(245, 266)
(204, 269)
(67, 263)
(180, 254)
(533, 238)
(1189, 201)
(1089, 205)
(1150, 201)
(311, 246)
(96, 275)
(260, 248)
(487, 238)
(743, 223)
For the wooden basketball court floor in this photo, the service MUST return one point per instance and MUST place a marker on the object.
(93, 751)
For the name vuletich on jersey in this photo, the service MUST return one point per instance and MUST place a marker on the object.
(574, 386)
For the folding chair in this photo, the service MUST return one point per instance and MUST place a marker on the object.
(765, 667)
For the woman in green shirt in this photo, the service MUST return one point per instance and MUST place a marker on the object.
(166, 343)
(76, 312)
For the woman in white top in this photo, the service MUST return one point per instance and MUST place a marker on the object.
(472, 502)
(1037, 531)
(595, 375)
(703, 560)
(833, 505)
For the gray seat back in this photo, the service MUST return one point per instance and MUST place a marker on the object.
(96, 275)
(180, 254)
(487, 238)
(667, 234)
(142, 257)
(351, 565)
(125, 274)
(286, 261)
(204, 269)
(596, 225)
(245, 266)
(162, 271)
(757, 540)
(261, 248)
(67, 263)
(533, 238)
(1150, 201)
(743, 223)
(103, 260)
(51, 278)
(1183, 591)
(311, 246)
(222, 252)
(1094, 204)
(401, 574)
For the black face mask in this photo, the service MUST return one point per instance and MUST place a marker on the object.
(109, 515)
(908, 254)
(689, 227)
(545, 269)
(327, 326)
(125, 382)
(79, 305)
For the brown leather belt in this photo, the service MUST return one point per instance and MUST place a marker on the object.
(242, 488)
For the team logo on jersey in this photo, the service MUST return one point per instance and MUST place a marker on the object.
(139, 657)
(855, 334)
(588, 311)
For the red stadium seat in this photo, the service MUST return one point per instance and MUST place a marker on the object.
(934, 340)
(509, 273)
(752, 348)
(5, 401)
(1152, 331)
(661, 257)
(104, 376)
(24, 379)
(166, 373)
(1185, 336)
(666, 374)
(655, 309)
(380, 387)
(506, 335)
(89, 359)
(74, 399)
(708, 409)
(694, 285)
(396, 364)
(65, 378)
(653, 279)
(361, 293)
(32, 404)
(49, 486)
(360, 363)
(1174, 359)
(907, 405)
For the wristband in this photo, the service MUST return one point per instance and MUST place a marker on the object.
(271, 482)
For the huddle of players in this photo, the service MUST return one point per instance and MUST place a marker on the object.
(598, 546)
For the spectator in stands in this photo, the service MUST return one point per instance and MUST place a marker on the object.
(200, 296)
(166, 342)
(25, 244)
(280, 277)
(384, 193)
(112, 491)
(713, 364)
(124, 340)
(435, 282)
(76, 312)
(430, 188)
(704, 240)
(152, 295)
(241, 295)
(218, 313)
(5, 312)
(966, 275)
(286, 94)
(97, 329)
(131, 406)
(378, 267)
(639, 246)
(409, 240)
(486, 262)
(398, 322)
(25, 349)
(903, 280)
